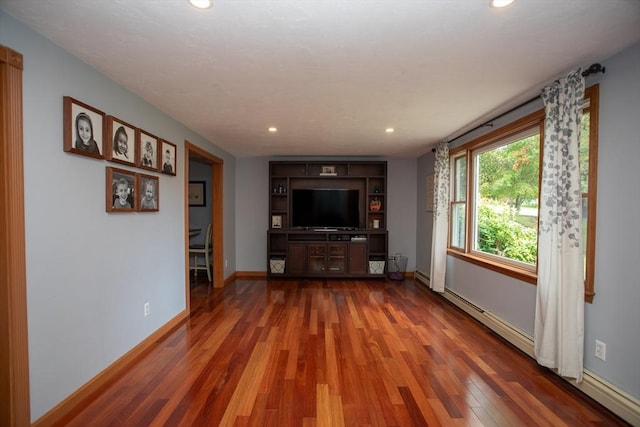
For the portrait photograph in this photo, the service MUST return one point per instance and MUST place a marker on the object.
(149, 193)
(121, 190)
(83, 128)
(168, 157)
(147, 149)
(120, 146)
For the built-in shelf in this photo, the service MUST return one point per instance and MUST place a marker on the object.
(327, 253)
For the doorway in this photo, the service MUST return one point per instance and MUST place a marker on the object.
(213, 193)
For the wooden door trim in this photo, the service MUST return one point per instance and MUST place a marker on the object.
(217, 186)
(14, 352)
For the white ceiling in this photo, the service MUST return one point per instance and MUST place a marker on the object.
(333, 74)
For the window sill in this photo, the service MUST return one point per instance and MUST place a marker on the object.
(517, 273)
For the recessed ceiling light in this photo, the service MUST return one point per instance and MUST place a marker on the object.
(500, 3)
(201, 4)
(389, 130)
(273, 129)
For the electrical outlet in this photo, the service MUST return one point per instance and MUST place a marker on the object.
(601, 350)
(147, 309)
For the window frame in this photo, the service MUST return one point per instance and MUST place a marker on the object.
(592, 94)
(496, 263)
(535, 129)
(458, 199)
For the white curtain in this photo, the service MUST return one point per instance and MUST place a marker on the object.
(440, 218)
(559, 317)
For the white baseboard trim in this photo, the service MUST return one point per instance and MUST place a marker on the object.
(611, 397)
(423, 277)
(515, 336)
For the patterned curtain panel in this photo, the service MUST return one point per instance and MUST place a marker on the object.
(559, 316)
(440, 218)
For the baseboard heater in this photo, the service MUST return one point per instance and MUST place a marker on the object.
(422, 277)
(616, 400)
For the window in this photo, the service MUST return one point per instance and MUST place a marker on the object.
(458, 201)
(505, 217)
(495, 190)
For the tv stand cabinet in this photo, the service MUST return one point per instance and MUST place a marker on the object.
(330, 252)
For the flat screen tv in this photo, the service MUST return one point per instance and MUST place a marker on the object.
(325, 208)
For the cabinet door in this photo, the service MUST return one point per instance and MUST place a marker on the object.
(358, 258)
(337, 259)
(297, 259)
(316, 258)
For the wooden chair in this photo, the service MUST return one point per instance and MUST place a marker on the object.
(205, 250)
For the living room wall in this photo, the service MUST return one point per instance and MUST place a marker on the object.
(613, 317)
(89, 273)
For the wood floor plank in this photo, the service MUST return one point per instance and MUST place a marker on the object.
(330, 353)
(249, 384)
(326, 408)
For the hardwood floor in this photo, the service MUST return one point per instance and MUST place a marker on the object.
(335, 353)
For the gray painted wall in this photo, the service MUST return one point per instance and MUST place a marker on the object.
(613, 317)
(252, 191)
(424, 226)
(89, 273)
(401, 208)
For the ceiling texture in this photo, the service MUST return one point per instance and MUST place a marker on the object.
(332, 75)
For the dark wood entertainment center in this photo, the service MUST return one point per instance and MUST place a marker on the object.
(327, 252)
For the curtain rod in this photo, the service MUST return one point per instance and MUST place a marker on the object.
(593, 69)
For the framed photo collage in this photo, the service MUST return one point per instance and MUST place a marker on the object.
(90, 132)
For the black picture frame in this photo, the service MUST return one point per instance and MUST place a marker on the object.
(197, 193)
